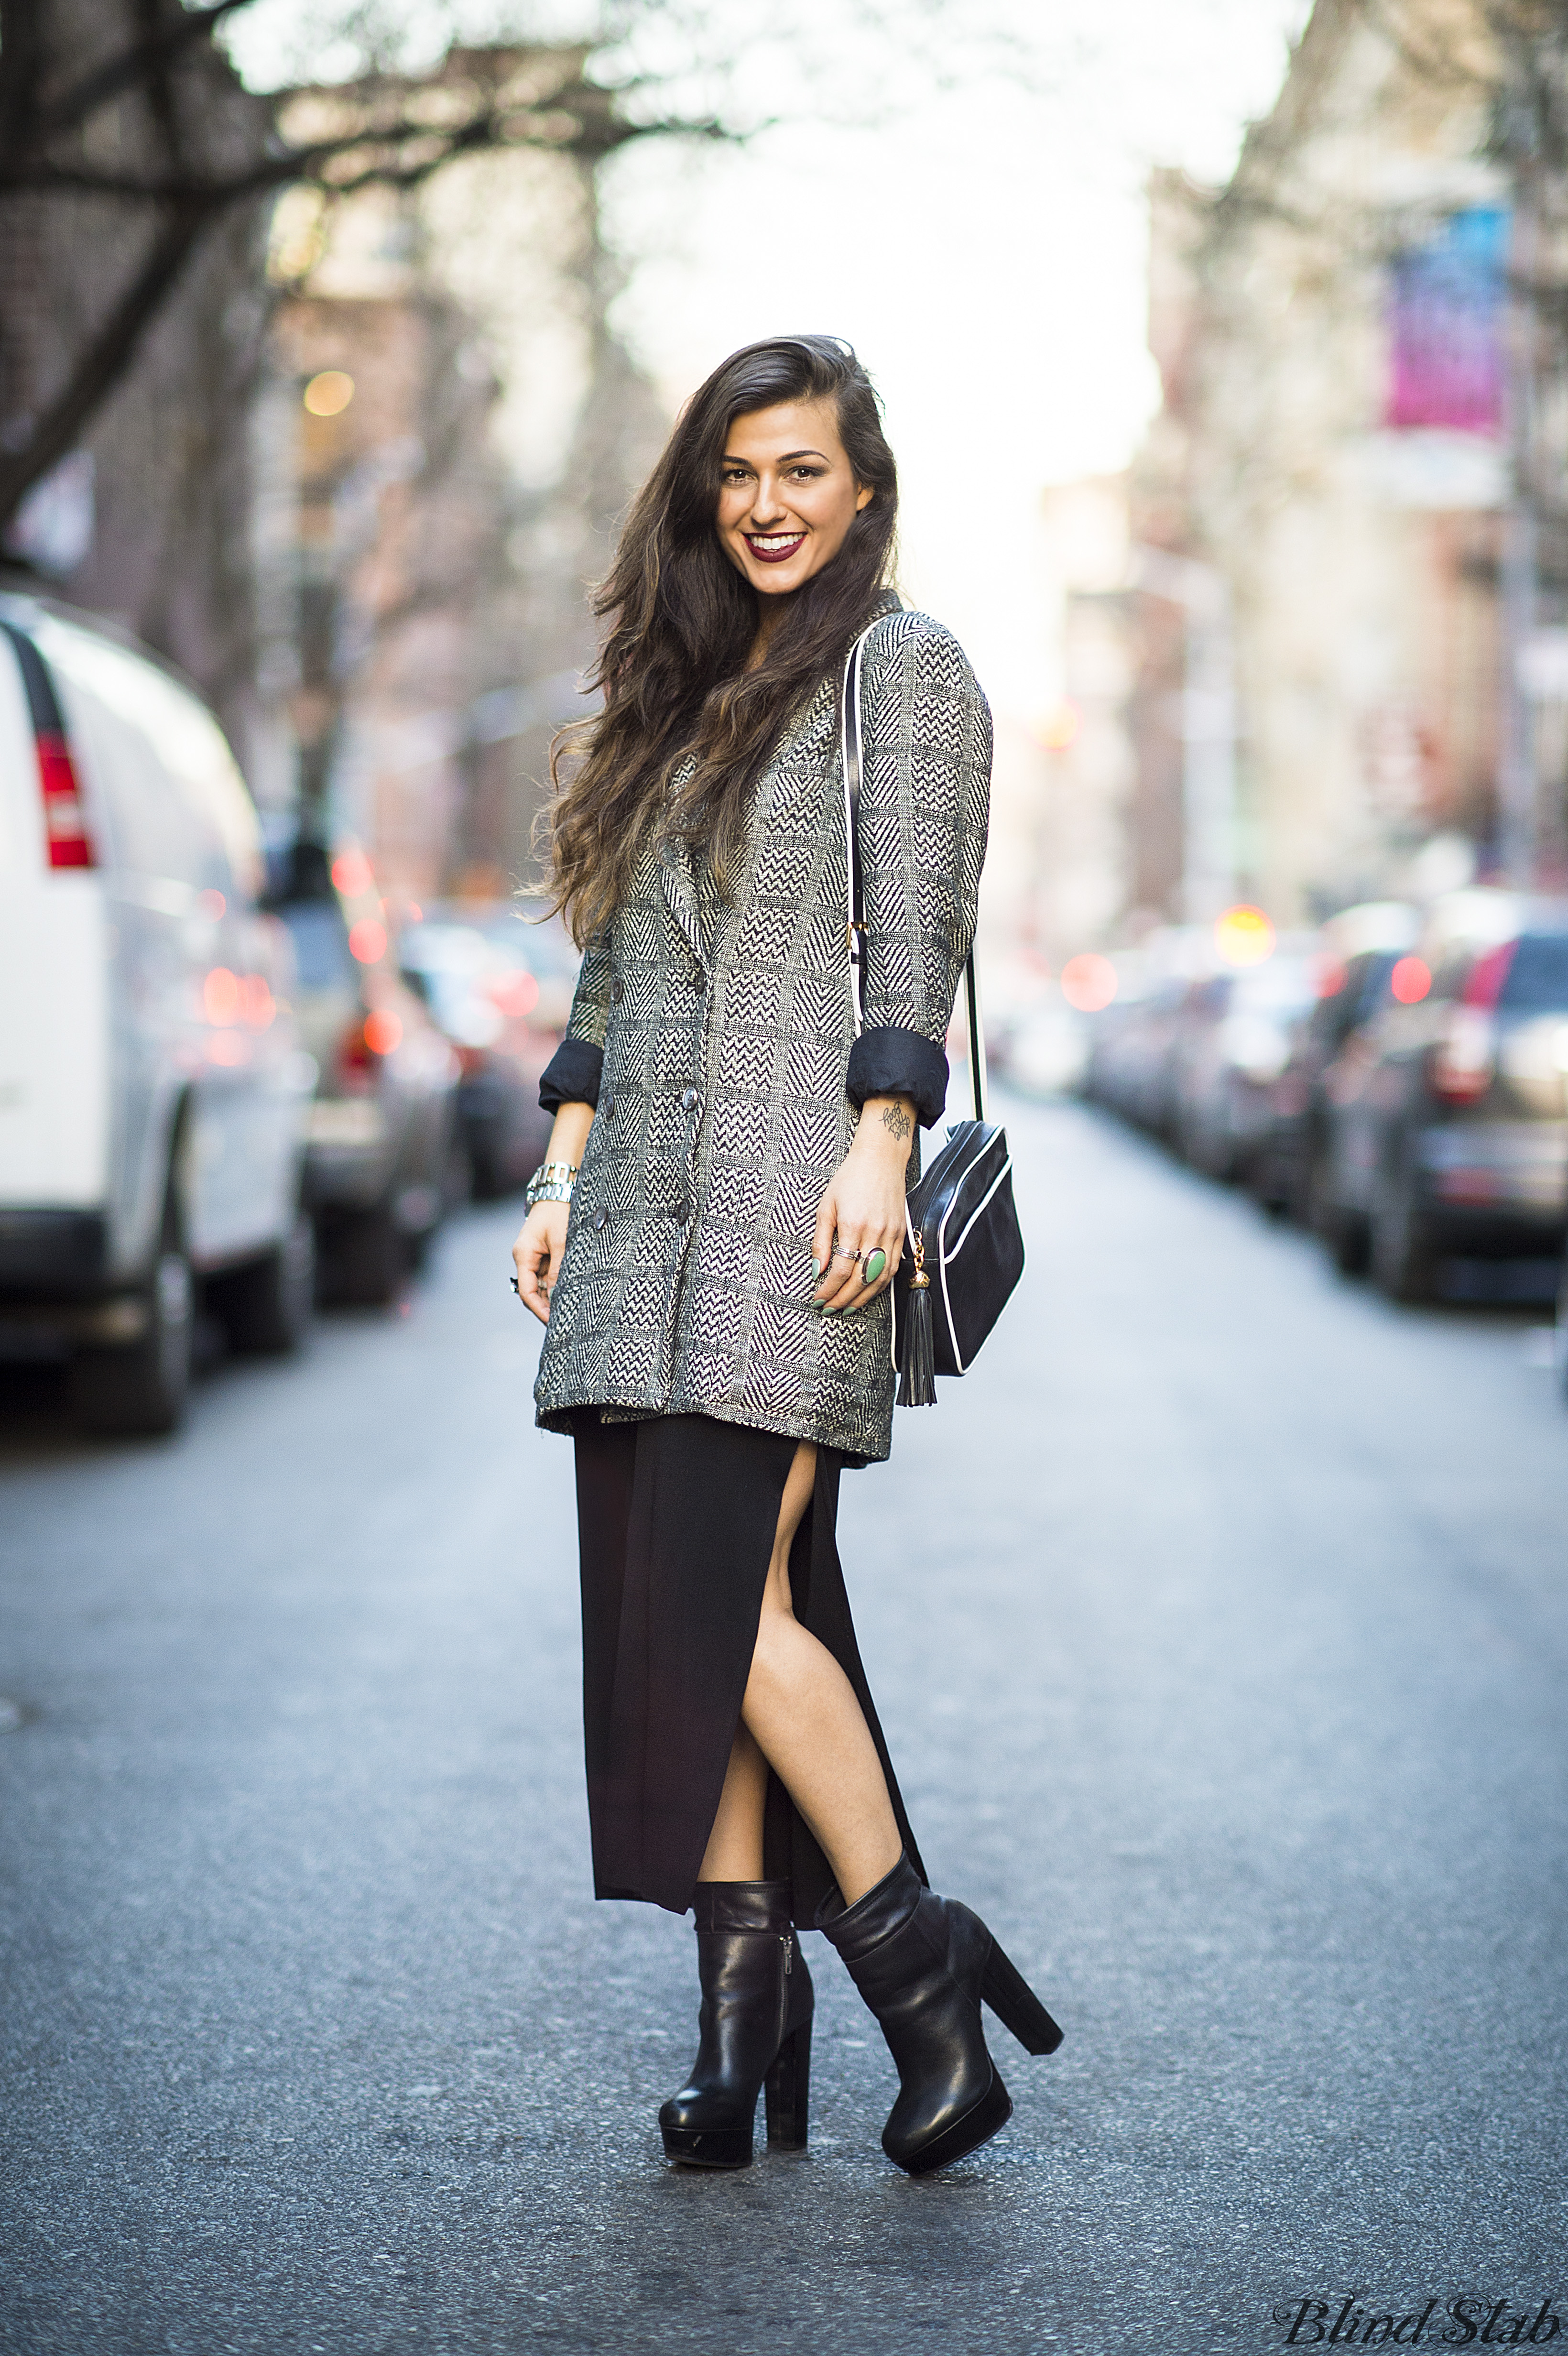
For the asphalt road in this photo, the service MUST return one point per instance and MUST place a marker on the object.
(1218, 1624)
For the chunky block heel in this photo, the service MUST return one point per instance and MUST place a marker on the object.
(1015, 2005)
(786, 2091)
(925, 1965)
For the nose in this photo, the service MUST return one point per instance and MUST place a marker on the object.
(767, 507)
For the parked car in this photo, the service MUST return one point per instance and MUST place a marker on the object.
(1235, 1038)
(382, 1129)
(1449, 1122)
(154, 1091)
(500, 989)
(1359, 951)
(1131, 1056)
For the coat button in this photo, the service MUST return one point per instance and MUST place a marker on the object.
(608, 1108)
(598, 1219)
(690, 1100)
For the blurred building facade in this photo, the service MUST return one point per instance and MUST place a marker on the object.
(1318, 520)
(430, 533)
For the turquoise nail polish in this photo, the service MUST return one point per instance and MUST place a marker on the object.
(815, 1271)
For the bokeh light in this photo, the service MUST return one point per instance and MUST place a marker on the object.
(258, 1001)
(515, 993)
(1060, 725)
(329, 394)
(1410, 980)
(368, 940)
(351, 872)
(221, 996)
(1243, 935)
(1088, 982)
(383, 1032)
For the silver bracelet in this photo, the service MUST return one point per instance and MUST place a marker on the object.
(553, 1182)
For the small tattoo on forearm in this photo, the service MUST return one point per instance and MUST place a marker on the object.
(896, 1121)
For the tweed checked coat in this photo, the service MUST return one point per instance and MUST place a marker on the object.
(715, 1036)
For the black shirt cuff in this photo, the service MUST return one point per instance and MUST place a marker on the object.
(571, 1076)
(892, 1062)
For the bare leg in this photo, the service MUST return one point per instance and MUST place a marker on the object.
(800, 1716)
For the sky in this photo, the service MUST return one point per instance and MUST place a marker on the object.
(956, 186)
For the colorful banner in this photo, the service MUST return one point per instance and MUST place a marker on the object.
(1447, 327)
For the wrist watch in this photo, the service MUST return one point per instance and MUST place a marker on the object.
(551, 1182)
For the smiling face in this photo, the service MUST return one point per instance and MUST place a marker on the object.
(787, 494)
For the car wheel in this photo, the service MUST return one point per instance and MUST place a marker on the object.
(140, 1391)
(265, 1309)
(1404, 1251)
(1342, 1232)
(365, 1259)
(1348, 1240)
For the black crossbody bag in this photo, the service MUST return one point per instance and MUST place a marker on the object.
(967, 1249)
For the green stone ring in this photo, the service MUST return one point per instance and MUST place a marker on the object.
(872, 1264)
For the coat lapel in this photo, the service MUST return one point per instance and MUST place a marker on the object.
(679, 886)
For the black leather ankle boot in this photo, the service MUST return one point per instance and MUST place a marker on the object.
(755, 2024)
(923, 1963)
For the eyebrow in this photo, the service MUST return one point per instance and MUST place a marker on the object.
(785, 461)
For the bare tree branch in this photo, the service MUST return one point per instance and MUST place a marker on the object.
(127, 70)
(101, 365)
(21, 69)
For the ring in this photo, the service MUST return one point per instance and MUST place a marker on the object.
(875, 1262)
(841, 1251)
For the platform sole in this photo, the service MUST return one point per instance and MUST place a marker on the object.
(708, 2146)
(977, 2126)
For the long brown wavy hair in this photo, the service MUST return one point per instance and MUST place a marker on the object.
(682, 621)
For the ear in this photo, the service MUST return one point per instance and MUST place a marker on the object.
(864, 496)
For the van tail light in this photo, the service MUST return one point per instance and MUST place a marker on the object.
(65, 813)
(65, 820)
(356, 1059)
(1464, 1058)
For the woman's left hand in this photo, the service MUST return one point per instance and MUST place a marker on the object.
(863, 1209)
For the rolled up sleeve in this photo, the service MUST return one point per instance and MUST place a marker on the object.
(573, 1073)
(925, 812)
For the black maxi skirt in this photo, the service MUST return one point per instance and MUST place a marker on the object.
(675, 1522)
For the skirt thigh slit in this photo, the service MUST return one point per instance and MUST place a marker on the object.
(677, 1516)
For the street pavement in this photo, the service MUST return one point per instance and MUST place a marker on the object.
(1218, 1623)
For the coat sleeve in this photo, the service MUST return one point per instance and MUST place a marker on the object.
(924, 809)
(573, 1072)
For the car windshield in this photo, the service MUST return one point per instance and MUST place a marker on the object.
(1536, 978)
(321, 944)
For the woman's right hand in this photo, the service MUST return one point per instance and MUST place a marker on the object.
(537, 1254)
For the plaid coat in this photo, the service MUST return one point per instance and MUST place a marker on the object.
(715, 1037)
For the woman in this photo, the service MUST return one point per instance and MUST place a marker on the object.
(719, 1219)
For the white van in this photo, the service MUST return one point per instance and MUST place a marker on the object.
(153, 1094)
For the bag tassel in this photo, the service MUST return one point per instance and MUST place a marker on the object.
(917, 1374)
